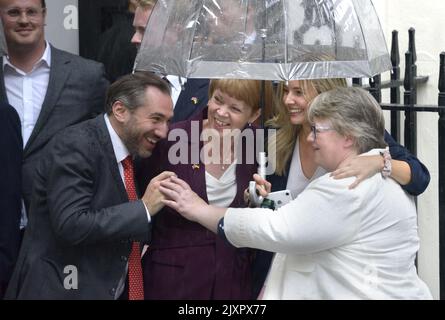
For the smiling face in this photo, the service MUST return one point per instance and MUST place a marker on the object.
(228, 113)
(296, 101)
(330, 148)
(23, 22)
(143, 127)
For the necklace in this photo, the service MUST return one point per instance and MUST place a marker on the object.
(223, 157)
(226, 162)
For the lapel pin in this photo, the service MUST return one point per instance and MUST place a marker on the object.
(195, 167)
(195, 100)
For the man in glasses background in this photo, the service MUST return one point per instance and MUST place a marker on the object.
(51, 89)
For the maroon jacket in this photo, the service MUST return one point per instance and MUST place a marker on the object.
(185, 260)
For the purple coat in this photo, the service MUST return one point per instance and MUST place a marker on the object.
(185, 260)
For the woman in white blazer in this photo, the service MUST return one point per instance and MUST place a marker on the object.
(332, 242)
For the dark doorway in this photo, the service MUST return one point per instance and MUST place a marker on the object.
(105, 31)
(96, 16)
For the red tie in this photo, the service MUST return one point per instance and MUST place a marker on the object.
(135, 284)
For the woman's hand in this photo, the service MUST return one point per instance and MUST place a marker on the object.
(180, 197)
(263, 188)
(152, 198)
(262, 185)
(362, 167)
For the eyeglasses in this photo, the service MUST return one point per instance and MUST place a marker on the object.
(318, 129)
(31, 13)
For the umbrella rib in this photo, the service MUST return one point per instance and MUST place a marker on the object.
(245, 24)
(286, 36)
(194, 31)
(361, 28)
(324, 19)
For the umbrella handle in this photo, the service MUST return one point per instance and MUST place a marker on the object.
(255, 199)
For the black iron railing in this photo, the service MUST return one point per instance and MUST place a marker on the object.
(411, 108)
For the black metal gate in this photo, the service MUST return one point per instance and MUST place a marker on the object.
(410, 109)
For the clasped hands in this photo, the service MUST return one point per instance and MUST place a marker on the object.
(168, 189)
(152, 197)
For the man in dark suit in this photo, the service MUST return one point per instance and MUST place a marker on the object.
(50, 89)
(10, 191)
(82, 231)
(190, 96)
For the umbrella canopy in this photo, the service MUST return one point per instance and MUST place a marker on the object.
(264, 39)
(3, 48)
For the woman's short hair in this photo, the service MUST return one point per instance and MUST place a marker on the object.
(352, 112)
(248, 91)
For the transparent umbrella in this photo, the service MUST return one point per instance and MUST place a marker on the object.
(264, 39)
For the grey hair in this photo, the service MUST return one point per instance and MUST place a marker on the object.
(352, 112)
(131, 88)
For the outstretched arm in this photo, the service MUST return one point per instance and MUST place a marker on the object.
(300, 226)
(363, 167)
(419, 174)
(407, 170)
(180, 197)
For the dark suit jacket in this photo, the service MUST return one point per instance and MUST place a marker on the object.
(76, 92)
(187, 106)
(81, 217)
(185, 260)
(11, 147)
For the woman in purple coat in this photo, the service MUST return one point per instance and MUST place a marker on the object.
(213, 152)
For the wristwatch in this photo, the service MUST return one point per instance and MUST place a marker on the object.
(386, 171)
(220, 231)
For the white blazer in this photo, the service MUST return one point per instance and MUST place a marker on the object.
(336, 243)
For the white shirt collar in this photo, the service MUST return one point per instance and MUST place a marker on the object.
(120, 150)
(46, 58)
(175, 83)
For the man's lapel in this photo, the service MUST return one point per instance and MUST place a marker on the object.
(3, 95)
(57, 77)
(105, 141)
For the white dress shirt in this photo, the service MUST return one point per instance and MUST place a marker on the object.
(120, 152)
(176, 84)
(26, 91)
(337, 243)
